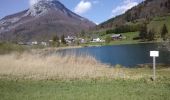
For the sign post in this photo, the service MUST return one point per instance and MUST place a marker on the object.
(154, 54)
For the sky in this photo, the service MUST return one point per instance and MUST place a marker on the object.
(95, 10)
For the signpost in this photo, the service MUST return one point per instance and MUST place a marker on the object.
(154, 54)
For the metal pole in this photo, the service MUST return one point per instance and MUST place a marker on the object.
(154, 68)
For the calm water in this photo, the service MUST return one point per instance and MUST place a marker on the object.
(126, 55)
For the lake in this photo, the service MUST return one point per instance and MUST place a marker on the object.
(126, 55)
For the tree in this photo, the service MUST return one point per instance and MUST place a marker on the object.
(164, 32)
(143, 32)
(56, 41)
(63, 41)
(82, 34)
(56, 38)
(108, 39)
(151, 35)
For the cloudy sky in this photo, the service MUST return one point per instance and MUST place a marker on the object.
(95, 10)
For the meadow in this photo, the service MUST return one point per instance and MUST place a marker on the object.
(103, 89)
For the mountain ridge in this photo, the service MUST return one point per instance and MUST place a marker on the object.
(42, 21)
(146, 10)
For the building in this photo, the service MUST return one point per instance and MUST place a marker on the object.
(44, 43)
(82, 40)
(97, 40)
(116, 36)
(34, 43)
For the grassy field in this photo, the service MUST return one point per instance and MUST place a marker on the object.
(103, 89)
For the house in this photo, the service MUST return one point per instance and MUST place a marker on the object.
(70, 39)
(21, 43)
(50, 40)
(116, 36)
(97, 40)
(82, 40)
(44, 43)
(34, 43)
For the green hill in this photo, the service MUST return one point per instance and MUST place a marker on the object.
(145, 11)
(158, 22)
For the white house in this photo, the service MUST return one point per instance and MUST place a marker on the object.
(44, 43)
(69, 39)
(97, 40)
(34, 43)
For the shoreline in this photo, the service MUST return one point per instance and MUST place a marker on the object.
(115, 44)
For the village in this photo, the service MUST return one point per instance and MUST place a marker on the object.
(71, 40)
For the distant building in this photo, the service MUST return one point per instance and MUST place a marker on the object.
(117, 36)
(82, 40)
(44, 43)
(50, 40)
(21, 43)
(70, 39)
(97, 40)
(34, 43)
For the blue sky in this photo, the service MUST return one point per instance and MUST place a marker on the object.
(95, 10)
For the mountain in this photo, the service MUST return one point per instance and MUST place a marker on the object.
(42, 21)
(145, 11)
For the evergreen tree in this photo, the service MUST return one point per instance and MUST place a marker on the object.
(143, 32)
(56, 41)
(56, 38)
(82, 34)
(63, 41)
(164, 32)
(151, 35)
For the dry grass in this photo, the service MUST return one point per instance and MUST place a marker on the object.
(39, 66)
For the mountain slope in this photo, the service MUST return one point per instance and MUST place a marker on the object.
(146, 10)
(41, 22)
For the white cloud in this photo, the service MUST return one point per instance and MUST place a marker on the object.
(127, 4)
(82, 7)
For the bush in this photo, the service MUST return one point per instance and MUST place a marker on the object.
(136, 38)
(9, 47)
(108, 39)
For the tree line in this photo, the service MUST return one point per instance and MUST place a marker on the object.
(124, 29)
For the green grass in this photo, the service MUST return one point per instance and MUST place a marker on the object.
(158, 22)
(103, 89)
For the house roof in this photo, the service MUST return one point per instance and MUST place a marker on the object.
(116, 35)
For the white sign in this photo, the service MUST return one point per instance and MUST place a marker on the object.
(154, 53)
